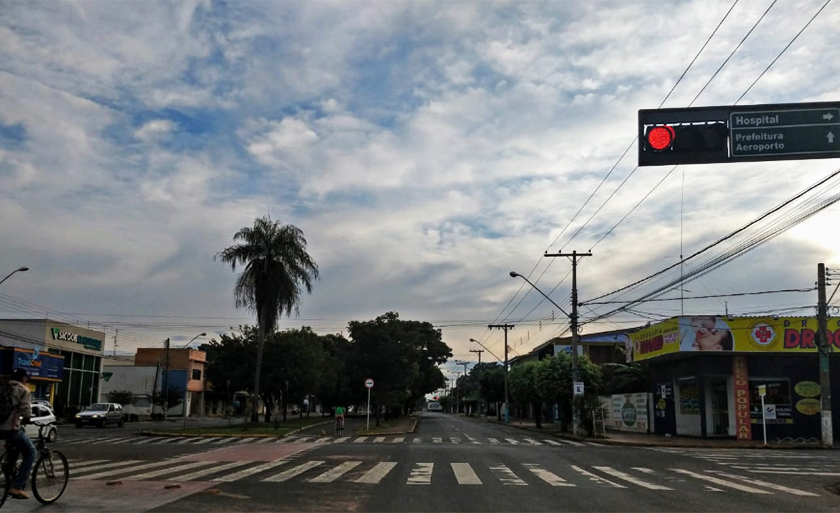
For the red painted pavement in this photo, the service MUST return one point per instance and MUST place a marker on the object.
(250, 452)
(91, 496)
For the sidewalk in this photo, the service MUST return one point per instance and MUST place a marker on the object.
(650, 439)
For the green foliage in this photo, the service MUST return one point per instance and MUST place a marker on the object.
(491, 382)
(619, 378)
(172, 399)
(123, 397)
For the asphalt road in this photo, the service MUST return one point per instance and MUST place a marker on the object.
(450, 464)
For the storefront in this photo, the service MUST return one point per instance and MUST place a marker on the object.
(80, 350)
(707, 374)
(45, 370)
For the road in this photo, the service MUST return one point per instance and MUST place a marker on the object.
(450, 464)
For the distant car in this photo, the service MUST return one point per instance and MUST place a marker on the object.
(42, 415)
(100, 414)
(432, 406)
(42, 402)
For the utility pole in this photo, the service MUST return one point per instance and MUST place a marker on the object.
(479, 351)
(480, 402)
(465, 379)
(505, 327)
(823, 348)
(116, 334)
(573, 318)
(165, 390)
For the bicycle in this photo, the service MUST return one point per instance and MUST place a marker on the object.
(49, 475)
(339, 426)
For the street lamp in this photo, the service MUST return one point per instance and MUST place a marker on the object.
(193, 339)
(573, 318)
(20, 270)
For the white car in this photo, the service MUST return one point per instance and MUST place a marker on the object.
(42, 415)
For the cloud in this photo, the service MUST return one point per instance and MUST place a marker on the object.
(154, 129)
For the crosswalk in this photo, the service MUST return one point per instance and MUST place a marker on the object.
(762, 461)
(360, 472)
(212, 442)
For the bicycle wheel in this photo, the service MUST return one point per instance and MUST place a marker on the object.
(50, 476)
(5, 480)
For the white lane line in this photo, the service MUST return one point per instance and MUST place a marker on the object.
(164, 471)
(97, 468)
(493, 441)
(512, 441)
(464, 474)
(398, 440)
(225, 440)
(374, 475)
(720, 482)
(596, 478)
(572, 442)
(418, 440)
(630, 479)
(206, 441)
(360, 439)
(553, 442)
(126, 470)
(331, 475)
(341, 440)
(455, 440)
(292, 472)
(506, 476)
(772, 486)
(437, 440)
(549, 477)
(421, 474)
(532, 441)
(249, 471)
(786, 472)
(208, 471)
(379, 439)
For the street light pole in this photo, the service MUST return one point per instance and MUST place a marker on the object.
(193, 340)
(505, 327)
(457, 362)
(19, 270)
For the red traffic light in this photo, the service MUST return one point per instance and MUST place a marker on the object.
(660, 137)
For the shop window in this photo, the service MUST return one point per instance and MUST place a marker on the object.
(87, 389)
(777, 394)
(196, 374)
(75, 388)
(689, 398)
(90, 362)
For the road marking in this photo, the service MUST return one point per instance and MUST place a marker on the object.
(78, 465)
(320, 441)
(630, 479)
(208, 471)
(512, 441)
(471, 439)
(206, 441)
(465, 474)
(592, 444)
(799, 473)
(97, 468)
(145, 440)
(188, 440)
(87, 440)
(421, 474)
(165, 440)
(124, 470)
(341, 440)
(288, 439)
(493, 441)
(572, 442)
(532, 441)
(244, 441)
(169, 470)
(292, 472)
(506, 476)
(249, 471)
(549, 477)
(116, 440)
(418, 440)
(360, 439)
(642, 469)
(303, 439)
(455, 440)
(437, 440)
(772, 486)
(398, 439)
(597, 479)
(720, 482)
(331, 475)
(374, 475)
(713, 489)
(553, 442)
(379, 439)
(223, 441)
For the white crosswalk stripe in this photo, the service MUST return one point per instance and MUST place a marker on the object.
(320, 441)
(437, 440)
(553, 442)
(455, 440)
(772, 486)
(189, 440)
(506, 476)
(114, 472)
(334, 473)
(630, 479)
(595, 478)
(720, 482)
(418, 440)
(549, 477)
(292, 472)
(244, 441)
(304, 439)
(205, 441)
(421, 474)
(209, 471)
(375, 475)
(166, 440)
(225, 440)
(572, 442)
(379, 439)
(267, 439)
(360, 439)
(532, 441)
(98, 468)
(493, 441)
(512, 441)
(145, 440)
(79, 464)
(341, 440)
(168, 470)
(121, 439)
(398, 440)
(236, 476)
(464, 474)
(288, 439)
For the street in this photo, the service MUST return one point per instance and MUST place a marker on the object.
(449, 464)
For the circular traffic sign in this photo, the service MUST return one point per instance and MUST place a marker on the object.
(368, 383)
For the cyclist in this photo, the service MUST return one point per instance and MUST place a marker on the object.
(15, 436)
(339, 417)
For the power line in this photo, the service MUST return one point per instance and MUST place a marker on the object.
(708, 297)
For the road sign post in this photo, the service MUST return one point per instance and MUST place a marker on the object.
(368, 385)
(762, 391)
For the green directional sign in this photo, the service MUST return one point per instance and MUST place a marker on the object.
(784, 132)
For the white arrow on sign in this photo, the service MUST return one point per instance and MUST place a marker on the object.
(828, 117)
(830, 138)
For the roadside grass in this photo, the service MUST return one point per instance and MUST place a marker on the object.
(249, 429)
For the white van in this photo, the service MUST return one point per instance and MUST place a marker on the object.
(434, 406)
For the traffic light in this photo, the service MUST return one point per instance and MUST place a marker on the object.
(686, 143)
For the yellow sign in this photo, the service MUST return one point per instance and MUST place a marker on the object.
(807, 389)
(809, 406)
(719, 333)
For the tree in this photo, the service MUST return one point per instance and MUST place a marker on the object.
(228, 370)
(277, 269)
(491, 382)
(522, 383)
(123, 397)
(172, 399)
(554, 381)
(620, 378)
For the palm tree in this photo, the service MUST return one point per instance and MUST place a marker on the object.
(277, 270)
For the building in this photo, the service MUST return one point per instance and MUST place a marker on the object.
(602, 347)
(708, 375)
(65, 361)
(192, 361)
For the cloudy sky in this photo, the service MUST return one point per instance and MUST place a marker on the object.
(426, 149)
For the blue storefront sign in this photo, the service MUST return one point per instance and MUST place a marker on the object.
(39, 365)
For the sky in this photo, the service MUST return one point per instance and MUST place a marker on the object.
(425, 149)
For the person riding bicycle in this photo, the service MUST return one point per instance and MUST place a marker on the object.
(15, 436)
(339, 416)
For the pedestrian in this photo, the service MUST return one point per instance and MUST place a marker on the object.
(16, 406)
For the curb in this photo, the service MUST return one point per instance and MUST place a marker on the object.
(676, 444)
(380, 433)
(230, 435)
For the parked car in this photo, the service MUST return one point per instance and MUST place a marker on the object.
(434, 406)
(100, 414)
(42, 415)
(42, 402)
